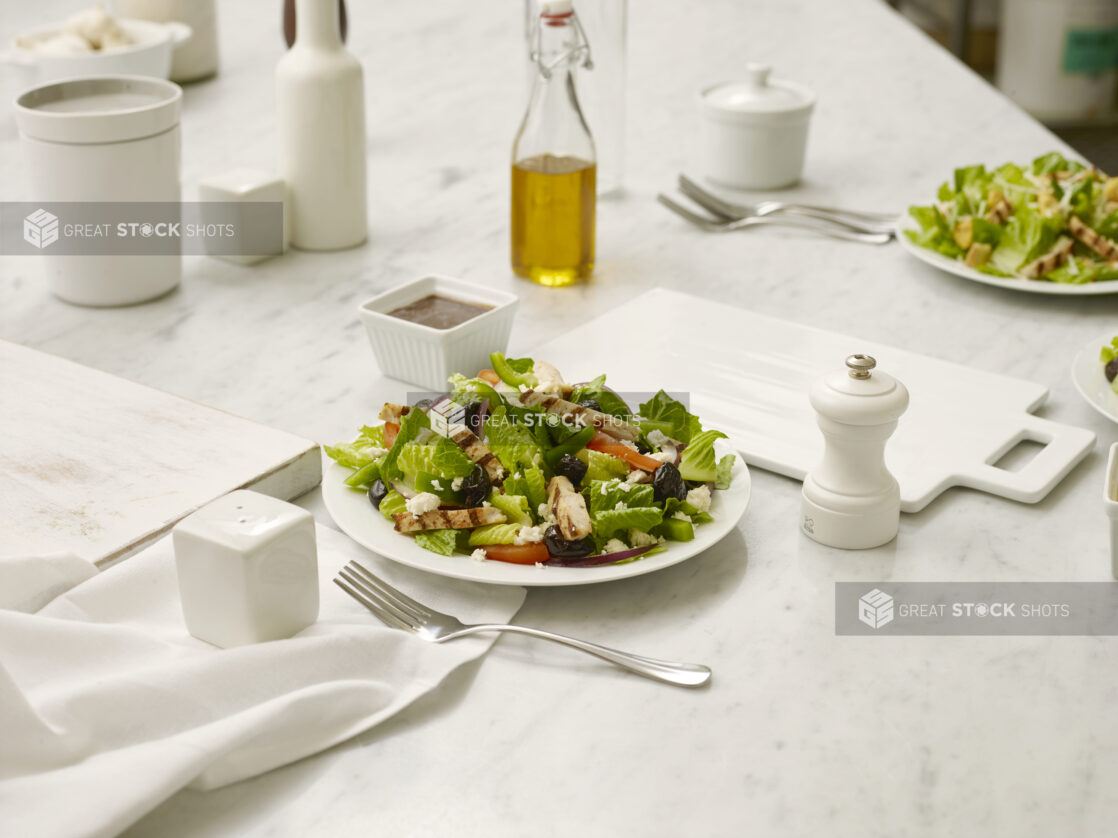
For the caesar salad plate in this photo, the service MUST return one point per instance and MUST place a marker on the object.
(358, 519)
(1089, 379)
(1029, 286)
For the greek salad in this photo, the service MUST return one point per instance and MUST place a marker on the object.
(1054, 220)
(516, 465)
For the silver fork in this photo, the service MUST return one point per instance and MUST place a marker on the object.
(396, 609)
(867, 222)
(834, 231)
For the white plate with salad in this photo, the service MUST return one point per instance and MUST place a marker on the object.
(1093, 371)
(516, 477)
(1047, 227)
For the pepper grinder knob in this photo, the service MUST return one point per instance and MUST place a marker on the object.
(850, 500)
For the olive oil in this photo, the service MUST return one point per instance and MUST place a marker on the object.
(553, 202)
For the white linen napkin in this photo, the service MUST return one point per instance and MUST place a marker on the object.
(108, 706)
(27, 583)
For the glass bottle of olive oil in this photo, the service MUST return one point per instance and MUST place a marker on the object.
(553, 164)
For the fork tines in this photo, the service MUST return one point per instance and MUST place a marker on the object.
(393, 607)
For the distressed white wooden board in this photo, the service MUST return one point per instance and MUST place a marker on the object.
(749, 375)
(99, 466)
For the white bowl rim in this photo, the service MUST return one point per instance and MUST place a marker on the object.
(426, 284)
(159, 34)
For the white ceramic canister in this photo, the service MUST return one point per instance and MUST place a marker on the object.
(108, 139)
(196, 59)
(320, 105)
(754, 132)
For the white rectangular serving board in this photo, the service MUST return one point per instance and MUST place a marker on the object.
(99, 466)
(749, 376)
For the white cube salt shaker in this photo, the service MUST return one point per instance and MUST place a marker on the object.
(248, 569)
(243, 186)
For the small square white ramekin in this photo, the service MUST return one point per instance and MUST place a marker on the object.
(426, 356)
(1110, 503)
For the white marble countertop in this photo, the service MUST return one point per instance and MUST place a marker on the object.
(801, 732)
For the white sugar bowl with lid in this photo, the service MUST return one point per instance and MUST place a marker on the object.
(754, 132)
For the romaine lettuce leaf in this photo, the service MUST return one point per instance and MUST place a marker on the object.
(602, 466)
(449, 460)
(392, 503)
(515, 507)
(1053, 161)
(351, 454)
(697, 461)
(512, 443)
(608, 400)
(605, 495)
(493, 534)
(722, 471)
(611, 521)
(530, 483)
(443, 542)
(411, 423)
(670, 417)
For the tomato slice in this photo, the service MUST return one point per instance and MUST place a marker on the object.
(608, 445)
(517, 553)
(390, 431)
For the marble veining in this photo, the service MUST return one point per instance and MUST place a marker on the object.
(801, 732)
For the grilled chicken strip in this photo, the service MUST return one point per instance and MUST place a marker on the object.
(1093, 239)
(477, 451)
(569, 509)
(393, 412)
(449, 519)
(571, 412)
(1050, 260)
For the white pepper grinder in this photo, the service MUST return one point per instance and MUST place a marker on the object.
(850, 500)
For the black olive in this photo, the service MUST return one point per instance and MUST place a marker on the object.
(1112, 370)
(572, 468)
(423, 404)
(667, 483)
(476, 487)
(473, 417)
(562, 549)
(377, 492)
(590, 403)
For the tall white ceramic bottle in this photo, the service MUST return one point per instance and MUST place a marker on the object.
(320, 104)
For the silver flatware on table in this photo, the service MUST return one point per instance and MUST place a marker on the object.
(867, 222)
(398, 610)
(825, 228)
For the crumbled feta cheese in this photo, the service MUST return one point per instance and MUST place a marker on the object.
(659, 438)
(486, 503)
(628, 444)
(623, 487)
(456, 483)
(423, 502)
(621, 505)
(478, 555)
(615, 545)
(605, 487)
(681, 516)
(663, 456)
(639, 538)
(529, 535)
(373, 451)
(637, 476)
(700, 498)
(435, 484)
